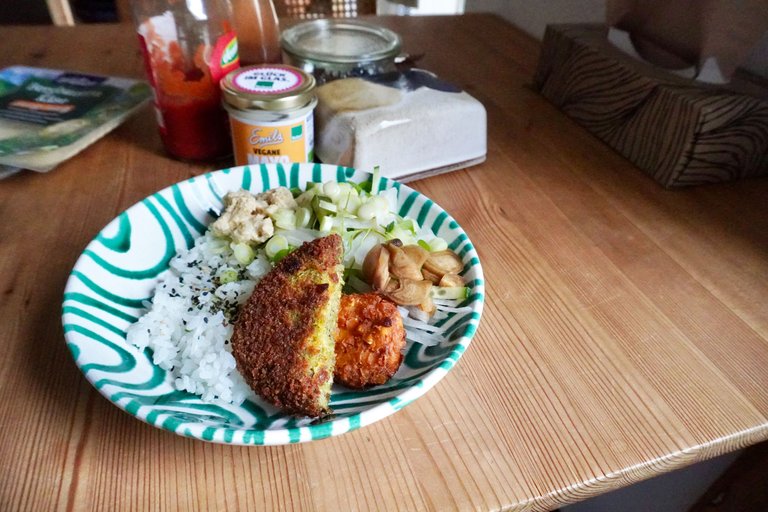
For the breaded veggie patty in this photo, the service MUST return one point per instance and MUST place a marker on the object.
(283, 340)
(369, 341)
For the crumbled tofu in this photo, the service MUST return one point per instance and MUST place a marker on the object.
(246, 216)
(277, 199)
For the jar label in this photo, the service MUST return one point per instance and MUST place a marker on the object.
(267, 80)
(268, 143)
(224, 57)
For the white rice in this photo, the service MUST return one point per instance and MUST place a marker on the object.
(189, 323)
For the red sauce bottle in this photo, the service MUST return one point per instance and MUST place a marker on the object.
(188, 47)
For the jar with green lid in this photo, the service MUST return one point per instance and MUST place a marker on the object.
(271, 109)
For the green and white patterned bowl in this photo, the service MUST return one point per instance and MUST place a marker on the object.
(119, 269)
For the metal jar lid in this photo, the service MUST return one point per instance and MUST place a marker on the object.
(268, 87)
(340, 41)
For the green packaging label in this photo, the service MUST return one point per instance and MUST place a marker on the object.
(45, 110)
(45, 101)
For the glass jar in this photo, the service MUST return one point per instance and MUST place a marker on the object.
(331, 49)
(188, 47)
(271, 114)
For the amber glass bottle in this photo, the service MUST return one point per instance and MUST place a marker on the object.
(258, 31)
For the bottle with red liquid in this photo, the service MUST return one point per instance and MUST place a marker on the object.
(188, 47)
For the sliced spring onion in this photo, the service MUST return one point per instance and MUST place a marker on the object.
(259, 266)
(374, 207)
(454, 292)
(303, 217)
(323, 206)
(367, 211)
(424, 245)
(281, 254)
(350, 223)
(285, 218)
(347, 189)
(305, 199)
(217, 245)
(351, 204)
(410, 225)
(437, 244)
(375, 181)
(331, 190)
(276, 244)
(326, 224)
(243, 253)
(228, 275)
(327, 206)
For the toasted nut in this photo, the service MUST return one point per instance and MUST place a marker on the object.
(431, 277)
(407, 292)
(451, 281)
(417, 253)
(443, 262)
(401, 265)
(376, 267)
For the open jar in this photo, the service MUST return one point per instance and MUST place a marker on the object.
(331, 49)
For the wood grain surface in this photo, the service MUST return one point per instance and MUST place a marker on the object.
(625, 332)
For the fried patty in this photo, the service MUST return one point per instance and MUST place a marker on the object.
(369, 341)
(283, 340)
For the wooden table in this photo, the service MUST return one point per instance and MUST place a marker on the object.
(625, 332)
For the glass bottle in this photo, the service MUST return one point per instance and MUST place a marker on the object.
(258, 31)
(188, 46)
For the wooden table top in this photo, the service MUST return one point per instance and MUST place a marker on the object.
(625, 332)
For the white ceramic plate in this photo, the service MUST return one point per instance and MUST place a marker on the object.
(119, 270)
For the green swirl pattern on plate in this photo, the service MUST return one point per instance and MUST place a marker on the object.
(116, 274)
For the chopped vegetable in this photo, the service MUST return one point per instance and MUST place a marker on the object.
(437, 244)
(285, 218)
(276, 244)
(227, 275)
(303, 217)
(326, 224)
(332, 190)
(376, 180)
(455, 292)
(243, 253)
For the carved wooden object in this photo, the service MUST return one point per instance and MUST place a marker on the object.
(678, 131)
